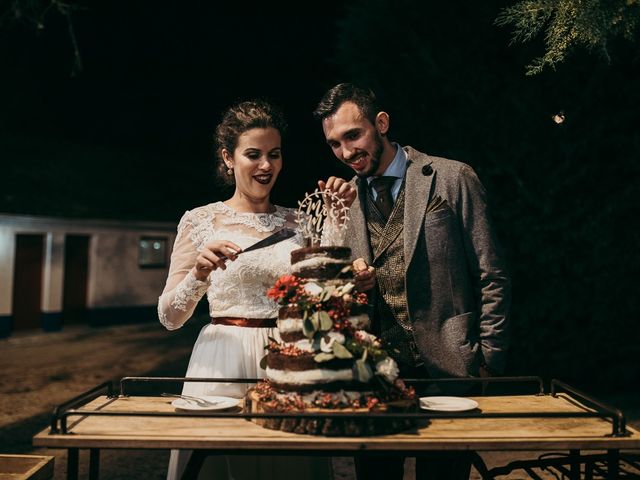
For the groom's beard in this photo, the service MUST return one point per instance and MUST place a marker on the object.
(375, 158)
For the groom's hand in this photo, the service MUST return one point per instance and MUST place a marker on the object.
(365, 275)
(341, 188)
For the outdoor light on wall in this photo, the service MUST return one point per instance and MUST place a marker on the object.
(152, 252)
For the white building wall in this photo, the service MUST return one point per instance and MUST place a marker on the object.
(53, 272)
(114, 276)
(7, 254)
(114, 279)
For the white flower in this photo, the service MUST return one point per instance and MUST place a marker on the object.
(326, 342)
(313, 289)
(365, 337)
(337, 336)
(388, 368)
(359, 321)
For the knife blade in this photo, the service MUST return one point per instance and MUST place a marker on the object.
(272, 239)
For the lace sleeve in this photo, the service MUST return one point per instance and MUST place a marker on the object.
(182, 291)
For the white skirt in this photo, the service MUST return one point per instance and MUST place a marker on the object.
(223, 351)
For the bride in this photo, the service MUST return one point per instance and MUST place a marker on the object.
(205, 259)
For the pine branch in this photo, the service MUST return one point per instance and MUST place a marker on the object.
(528, 18)
(568, 24)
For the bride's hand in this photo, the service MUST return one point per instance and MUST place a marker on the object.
(213, 256)
(342, 188)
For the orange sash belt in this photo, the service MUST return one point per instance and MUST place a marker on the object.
(245, 322)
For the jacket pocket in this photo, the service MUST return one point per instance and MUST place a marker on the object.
(437, 216)
(457, 333)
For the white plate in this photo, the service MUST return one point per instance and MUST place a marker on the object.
(220, 403)
(447, 404)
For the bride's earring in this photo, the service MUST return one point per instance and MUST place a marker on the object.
(230, 171)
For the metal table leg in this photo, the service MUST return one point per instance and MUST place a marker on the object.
(94, 464)
(574, 458)
(613, 463)
(72, 464)
(481, 467)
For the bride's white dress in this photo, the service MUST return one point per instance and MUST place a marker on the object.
(228, 351)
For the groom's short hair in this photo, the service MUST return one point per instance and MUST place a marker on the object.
(363, 97)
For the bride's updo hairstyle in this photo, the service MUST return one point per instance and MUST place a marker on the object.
(236, 120)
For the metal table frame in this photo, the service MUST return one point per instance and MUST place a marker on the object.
(610, 465)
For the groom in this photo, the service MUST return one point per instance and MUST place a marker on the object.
(441, 298)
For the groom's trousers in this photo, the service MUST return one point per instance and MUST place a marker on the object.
(437, 465)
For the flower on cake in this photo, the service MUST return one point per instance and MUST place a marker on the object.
(328, 340)
(284, 289)
(315, 297)
(388, 368)
(366, 338)
(313, 289)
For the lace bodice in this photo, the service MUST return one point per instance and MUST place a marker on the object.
(240, 290)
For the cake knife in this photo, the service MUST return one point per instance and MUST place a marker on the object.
(272, 239)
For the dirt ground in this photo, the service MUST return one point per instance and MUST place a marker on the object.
(41, 370)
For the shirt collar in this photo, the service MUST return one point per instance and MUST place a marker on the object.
(397, 167)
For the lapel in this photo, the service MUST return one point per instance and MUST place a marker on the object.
(417, 190)
(360, 240)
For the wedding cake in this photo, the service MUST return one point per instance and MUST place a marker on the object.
(319, 312)
(325, 359)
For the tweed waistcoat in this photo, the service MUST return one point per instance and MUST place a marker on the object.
(391, 316)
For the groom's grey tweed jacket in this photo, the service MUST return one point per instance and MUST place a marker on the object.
(457, 288)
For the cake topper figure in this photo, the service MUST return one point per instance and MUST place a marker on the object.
(322, 215)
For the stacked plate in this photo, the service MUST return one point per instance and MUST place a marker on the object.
(447, 404)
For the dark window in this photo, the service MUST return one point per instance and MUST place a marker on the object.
(152, 252)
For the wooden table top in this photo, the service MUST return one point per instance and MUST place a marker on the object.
(206, 432)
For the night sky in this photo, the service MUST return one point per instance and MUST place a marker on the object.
(130, 135)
